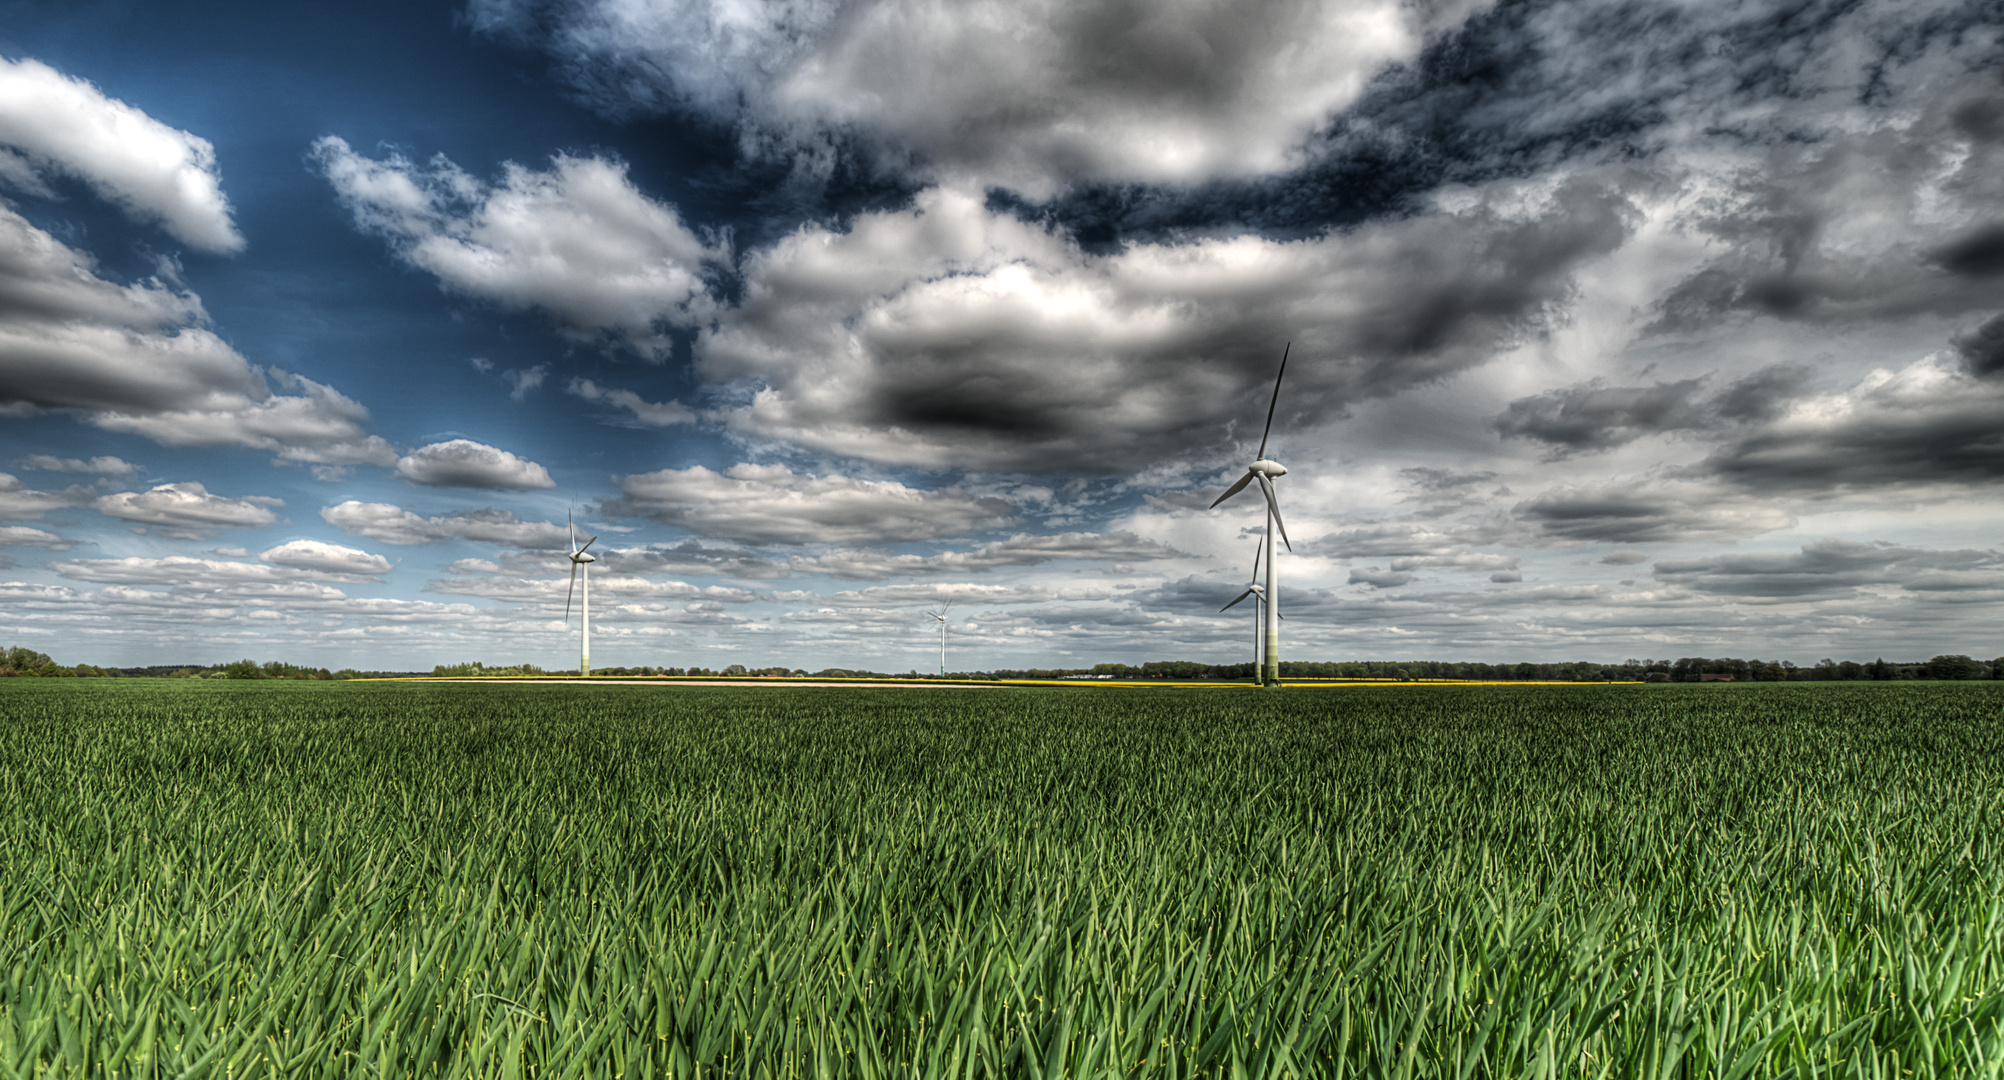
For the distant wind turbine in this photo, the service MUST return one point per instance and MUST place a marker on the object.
(1266, 472)
(581, 560)
(1258, 591)
(941, 616)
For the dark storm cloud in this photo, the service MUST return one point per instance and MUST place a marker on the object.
(1378, 578)
(1595, 416)
(1886, 222)
(948, 334)
(1030, 96)
(1929, 423)
(1205, 595)
(1982, 349)
(1978, 253)
(1827, 568)
(772, 504)
(1646, 512)
(1525, 87)
(1432, 481)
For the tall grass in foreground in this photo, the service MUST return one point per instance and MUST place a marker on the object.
(370, 880)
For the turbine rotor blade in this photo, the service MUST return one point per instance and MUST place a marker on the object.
(588, 543)
(1235, 603)
(568, 593)
(1235, 488)
(1273, 503)
(1276, 399)
(574, 531)
(1258, 550)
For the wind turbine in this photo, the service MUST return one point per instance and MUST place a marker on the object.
(1266, 472)
(581, 560)
(1258, 591)
(941, 616)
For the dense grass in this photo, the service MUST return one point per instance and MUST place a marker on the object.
(256, 879)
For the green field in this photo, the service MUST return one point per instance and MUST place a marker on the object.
(345, 880)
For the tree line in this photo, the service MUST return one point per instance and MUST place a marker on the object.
(19, 661)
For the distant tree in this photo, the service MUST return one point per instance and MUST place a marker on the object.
(1954, 666)
(1997, 668)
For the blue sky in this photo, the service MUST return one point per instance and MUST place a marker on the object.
(1617, 331)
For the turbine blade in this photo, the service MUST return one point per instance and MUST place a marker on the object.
(569, 592)
(588, 543)
(1258, 550)
(574, 531)
(1276, 398)
(1235, 488)
(1235, 603)
(1273, 503)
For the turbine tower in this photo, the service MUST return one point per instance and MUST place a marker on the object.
(1266, 472)
(941, 616)
(1258, 592)
(581, 560)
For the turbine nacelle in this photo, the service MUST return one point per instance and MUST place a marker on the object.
(584, 556)
(1268, 469)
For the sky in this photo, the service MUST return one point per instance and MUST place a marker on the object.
(1614, 330)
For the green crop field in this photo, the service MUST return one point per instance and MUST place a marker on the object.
(381, 880)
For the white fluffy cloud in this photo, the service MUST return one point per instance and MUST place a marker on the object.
(320, 557)
(395, 525)
(188, 510)
(18, 501)
(22, 536)
(772, 504)
(1028, 95)
(154, 171)
(947, 334)
(644, 412)
(578, 241)
(140, 358)
(103, 466)
(465, 463)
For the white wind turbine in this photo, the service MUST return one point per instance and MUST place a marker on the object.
(581, 560)
(1258, 591)
(941, 616)
(1266, 472)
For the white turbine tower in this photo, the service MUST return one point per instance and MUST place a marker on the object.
(1266, 472)
(581, 560)
(941, 616)
(1258, 591)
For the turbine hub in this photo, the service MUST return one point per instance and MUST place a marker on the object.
(1268, 469)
